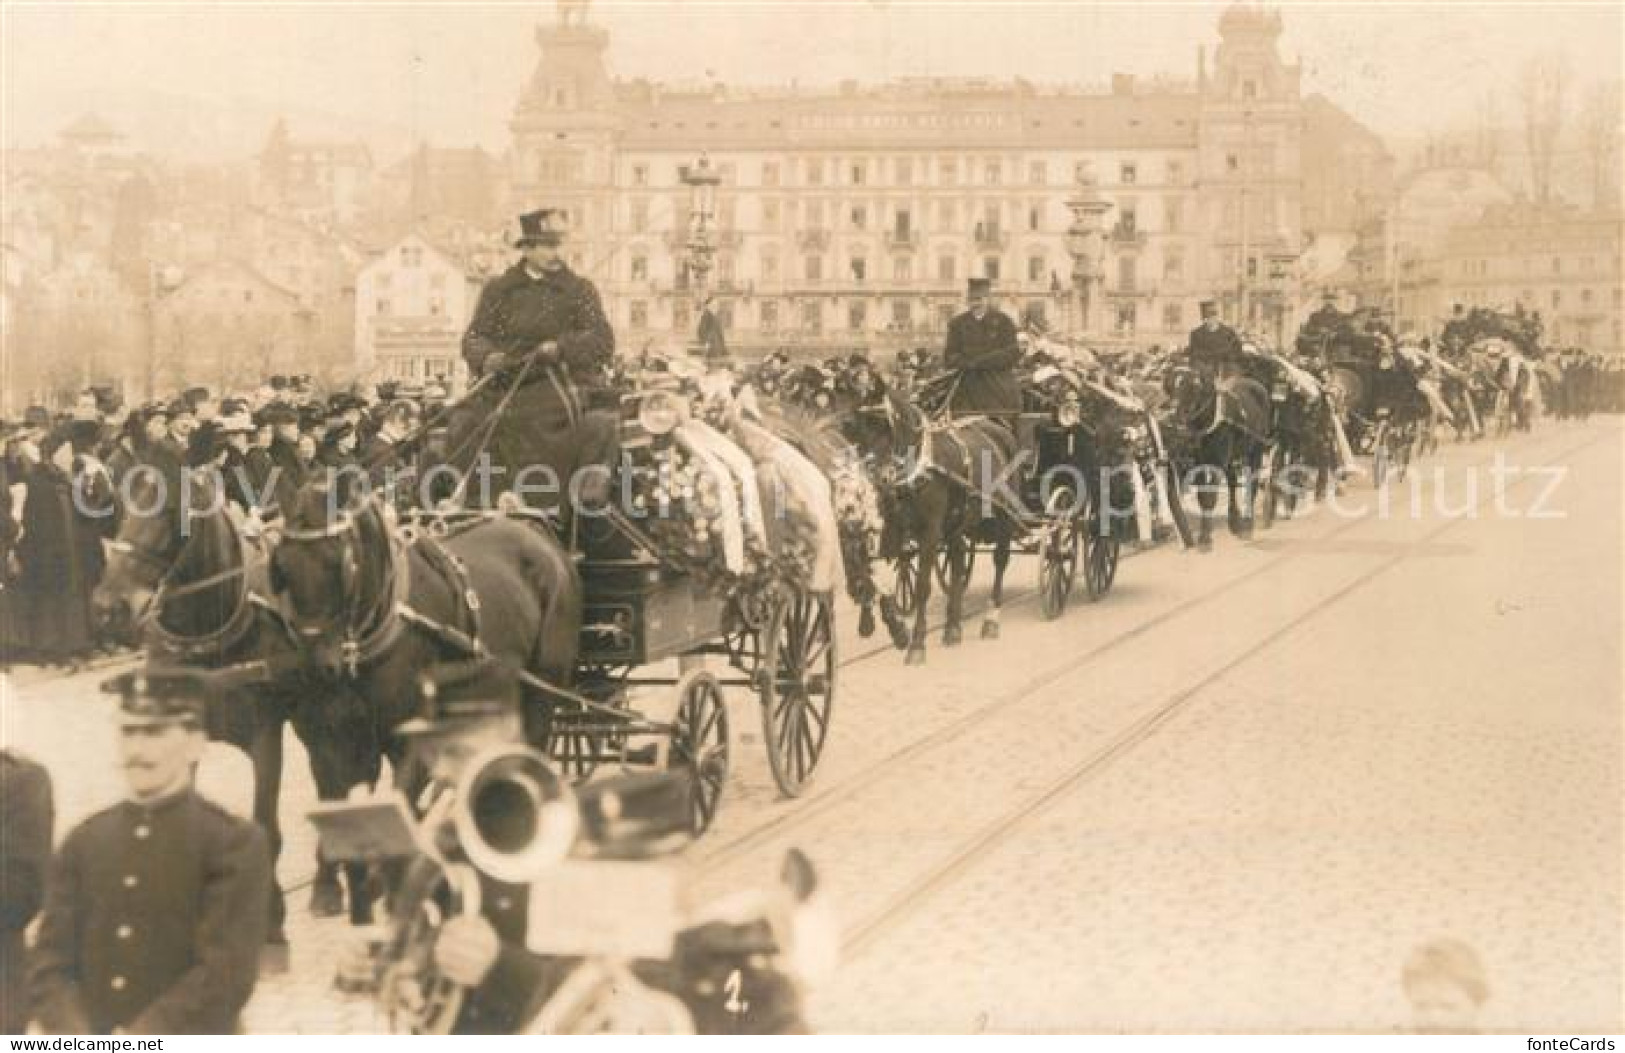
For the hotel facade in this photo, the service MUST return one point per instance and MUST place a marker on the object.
(850, 218)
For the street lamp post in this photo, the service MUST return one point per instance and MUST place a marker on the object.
(1244, 293)
(1086, 244)
(1281, 266)
(700, 249)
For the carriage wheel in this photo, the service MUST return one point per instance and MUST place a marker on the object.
(797, 688)
(906, 591)
(1380, 456)
(415, 997)
(1428, 442)
(1176, 503)
(574, 749)
(1100, 551)
(1404, 448)
(579, 741)
(1058, 550)
(699, 744)
(1272, 484)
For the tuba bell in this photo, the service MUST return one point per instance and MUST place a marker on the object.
(514, 815)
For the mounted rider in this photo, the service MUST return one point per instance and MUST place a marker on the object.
(540, 331)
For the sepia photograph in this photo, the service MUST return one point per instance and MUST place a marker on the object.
(812, 517)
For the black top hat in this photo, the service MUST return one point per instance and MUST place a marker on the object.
(279, 382)
(452, 694)
(1209, 308)
(545, 226)
(160, 695)
(36, 417)
(979, 286)
(180, 408)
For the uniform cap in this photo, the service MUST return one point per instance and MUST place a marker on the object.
(158, 695)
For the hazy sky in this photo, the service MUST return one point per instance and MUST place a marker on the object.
(452, 71)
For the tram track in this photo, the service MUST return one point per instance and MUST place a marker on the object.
(992, 835)
(791, 816)
(809, 809)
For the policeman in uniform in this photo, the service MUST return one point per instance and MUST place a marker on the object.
(155, 912)
(542, 326)
(25, 853)
(1214, 346)
(982, 347)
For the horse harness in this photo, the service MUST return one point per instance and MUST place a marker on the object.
(236, 626)
(371, 630)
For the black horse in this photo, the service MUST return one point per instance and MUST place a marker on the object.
(1219, 429)
(377, 607)
(189, 583)
(931, 475)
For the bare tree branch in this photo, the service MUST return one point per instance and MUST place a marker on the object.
(1541, 89)
(1600, 134)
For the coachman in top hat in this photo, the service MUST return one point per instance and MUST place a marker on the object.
(1214, 346)
(540, 326)
(982, 347)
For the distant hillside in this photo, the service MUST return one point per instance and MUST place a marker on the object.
(207, 129)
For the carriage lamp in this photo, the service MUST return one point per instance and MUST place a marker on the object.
(1069, 414)
(659, 413)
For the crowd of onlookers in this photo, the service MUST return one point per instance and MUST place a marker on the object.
(62, 473)
(62, 476)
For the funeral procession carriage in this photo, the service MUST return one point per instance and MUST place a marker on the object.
(1088, 464)
(705, 557)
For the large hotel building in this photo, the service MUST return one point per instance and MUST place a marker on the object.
(851, 217)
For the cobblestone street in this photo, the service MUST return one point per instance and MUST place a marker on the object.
(1231, 796)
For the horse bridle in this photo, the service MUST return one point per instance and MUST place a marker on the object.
(164, 591)
(366, 630)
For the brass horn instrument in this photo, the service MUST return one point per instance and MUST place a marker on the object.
(513, 814)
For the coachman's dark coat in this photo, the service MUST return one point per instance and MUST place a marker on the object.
(1216, 347)
(153, 921)
(985, 352)
(517, 313)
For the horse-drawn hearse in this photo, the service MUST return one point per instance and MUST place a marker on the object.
(1375, 389)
